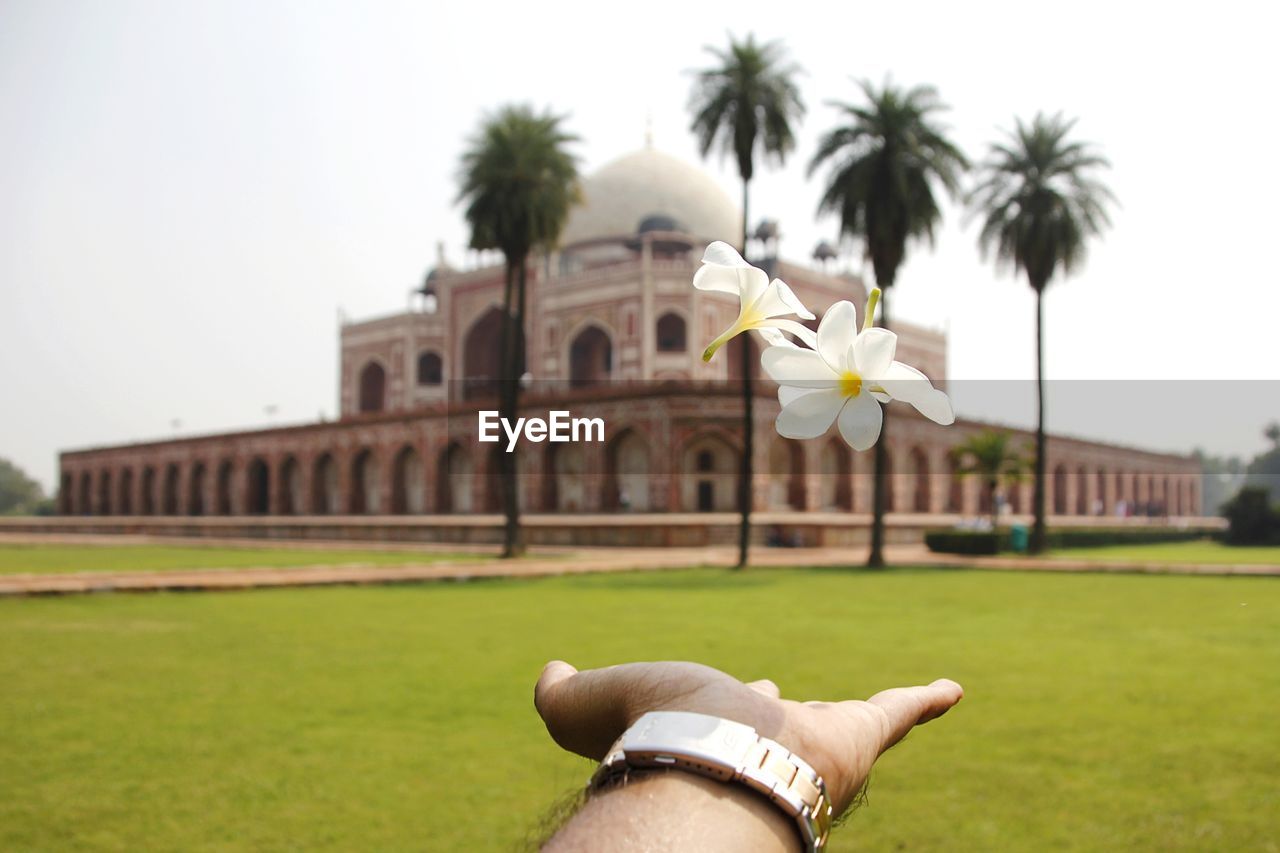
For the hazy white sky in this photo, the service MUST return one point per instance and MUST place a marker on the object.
(190, 191)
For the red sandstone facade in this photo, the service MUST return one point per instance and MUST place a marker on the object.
(615, 331)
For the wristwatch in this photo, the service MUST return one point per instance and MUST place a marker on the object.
(729, 752)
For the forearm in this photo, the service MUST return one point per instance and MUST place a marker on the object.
(676, 810)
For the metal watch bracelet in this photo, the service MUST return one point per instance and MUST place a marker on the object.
(729, 752)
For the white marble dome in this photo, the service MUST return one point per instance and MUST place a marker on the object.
(622, 193)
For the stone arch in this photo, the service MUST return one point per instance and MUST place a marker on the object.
(257, 487)
(482, 354)
(408, 483)
(786, 474)
(733, 354)
(169, 502)
(84, 499)
(955, 485)
(567, 473)
(709, 473)
(672, 332)
(104, 493)
(627, 472)
(455, 482)
(365, 496)
(326, 499)
(430, 368)
(1060, 489)
(373, 387)
(222, 504)
(835, 469)
(918, 462)
(1100, 483)
(196, 490)
(148, 497)
(1082, 491)
(126, 492)
(590, 357)
(290, 487)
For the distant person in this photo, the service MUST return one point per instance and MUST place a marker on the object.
(659, 795)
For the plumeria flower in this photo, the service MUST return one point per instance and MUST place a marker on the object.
(763, 302)
(845, 378)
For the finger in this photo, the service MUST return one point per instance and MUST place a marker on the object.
(767, 687)
(583, 711)
(906, 707)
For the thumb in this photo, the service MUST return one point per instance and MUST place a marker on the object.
(583, 712)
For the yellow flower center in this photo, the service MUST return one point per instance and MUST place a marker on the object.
(850, 384)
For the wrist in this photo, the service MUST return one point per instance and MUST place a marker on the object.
(655, 809)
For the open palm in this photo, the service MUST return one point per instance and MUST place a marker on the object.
(587, 711)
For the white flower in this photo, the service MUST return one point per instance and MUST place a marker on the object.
(762, 302)
(845, 378)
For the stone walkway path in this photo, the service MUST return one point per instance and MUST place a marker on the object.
(539, 563)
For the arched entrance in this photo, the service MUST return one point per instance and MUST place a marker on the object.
(590, 357)
(786, 474)
(919, 473)
(365, 484)
(1082, 491)
(373, 388)
(222, 488)
(258, 488)
(104, 493)
(627, 473)
(835, 468)
(671, 333)
(455, 481)
(1060, 490)
(290, 487)
(566, 467)
(324, 486)
(481, 355)
(86, 494)
(408, 485)
(148, 491)
(709, 475)
(126, 492)
(195, 490)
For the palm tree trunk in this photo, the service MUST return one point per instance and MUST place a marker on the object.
(879, 494)
(508, 404)
(1039, 535)
(746, 468)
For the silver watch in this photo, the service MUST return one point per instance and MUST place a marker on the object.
(729, 752)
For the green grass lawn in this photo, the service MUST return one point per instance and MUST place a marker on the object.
(1103, 712)
(48, 559)
(1202, 551)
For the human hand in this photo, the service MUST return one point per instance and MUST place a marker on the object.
(587, 711)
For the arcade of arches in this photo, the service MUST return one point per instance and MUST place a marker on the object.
(666, 453)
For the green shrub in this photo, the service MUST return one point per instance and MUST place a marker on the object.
(1093, 537)
(965, 541)
(1252, 518)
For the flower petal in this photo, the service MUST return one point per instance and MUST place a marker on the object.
(774, 337)
(788, 394)
(804, 333)
(803, 368)
(718, 279)
(722, 254)
(836, 333)
(778, 299)
(810, 415)
(860, 422)
(873, 352)
(903, 382)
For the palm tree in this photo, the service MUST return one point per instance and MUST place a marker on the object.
(989, 456)
(747, 101)
(518, 182)
(888, 155)
(1039, 205)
